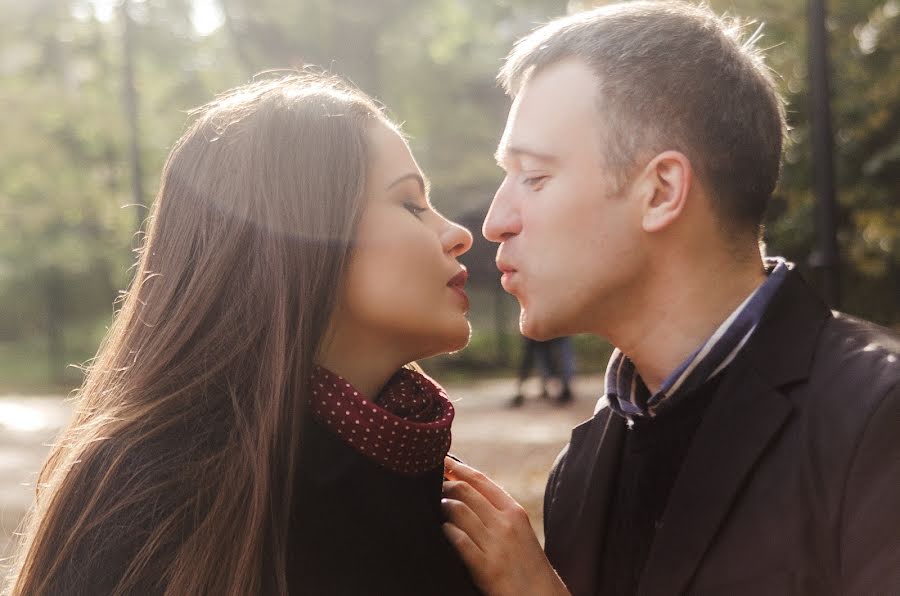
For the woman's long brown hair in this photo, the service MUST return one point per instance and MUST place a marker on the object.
(176, 474)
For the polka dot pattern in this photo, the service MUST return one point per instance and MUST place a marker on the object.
(406, 428)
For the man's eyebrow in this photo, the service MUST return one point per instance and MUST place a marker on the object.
(505, 152)
(424, 184)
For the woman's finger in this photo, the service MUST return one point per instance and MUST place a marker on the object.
(493, 535)
(464, 545)
(462, 517)
(478, 504)
(498, 497)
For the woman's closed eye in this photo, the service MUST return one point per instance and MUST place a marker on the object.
(414, 208)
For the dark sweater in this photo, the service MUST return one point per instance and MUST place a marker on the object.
(652, 455)
(360, 529)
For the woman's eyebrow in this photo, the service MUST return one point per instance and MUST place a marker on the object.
(424, 185)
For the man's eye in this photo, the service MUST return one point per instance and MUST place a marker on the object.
(534, 182)
(413, 208)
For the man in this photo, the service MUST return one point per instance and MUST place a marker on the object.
(748, 440)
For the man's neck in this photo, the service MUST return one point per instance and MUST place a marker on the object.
(679, 313)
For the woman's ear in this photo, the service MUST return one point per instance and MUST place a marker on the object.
(668, 178)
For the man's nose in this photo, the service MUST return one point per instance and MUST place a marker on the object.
(502, 220)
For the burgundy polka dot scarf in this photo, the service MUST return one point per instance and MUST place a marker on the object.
(406, 428)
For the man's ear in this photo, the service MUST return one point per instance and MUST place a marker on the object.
(667, 183)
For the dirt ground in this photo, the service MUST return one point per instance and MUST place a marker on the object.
(515, 447)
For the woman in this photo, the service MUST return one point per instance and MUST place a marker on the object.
(292, 266)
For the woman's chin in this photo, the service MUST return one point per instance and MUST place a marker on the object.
(462, 340)
(452, 340)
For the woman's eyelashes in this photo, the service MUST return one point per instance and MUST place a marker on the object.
(414, 208)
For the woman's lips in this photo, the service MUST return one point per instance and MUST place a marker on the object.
(457, 284)
(459, 279)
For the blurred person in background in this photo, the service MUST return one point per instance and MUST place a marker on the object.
(554, 358)
(747, 440)
(251, 423)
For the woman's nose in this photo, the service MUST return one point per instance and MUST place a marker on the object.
(456, 239)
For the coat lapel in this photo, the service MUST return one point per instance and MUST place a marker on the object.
(581, 500)
(744, 417)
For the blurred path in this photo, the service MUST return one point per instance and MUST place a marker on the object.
(515, 447)
(27, 427)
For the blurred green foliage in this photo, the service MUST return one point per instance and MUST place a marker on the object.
(65, 188)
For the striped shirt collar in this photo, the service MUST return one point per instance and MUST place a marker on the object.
(626, 392)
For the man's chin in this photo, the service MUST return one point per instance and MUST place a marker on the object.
(536, 328)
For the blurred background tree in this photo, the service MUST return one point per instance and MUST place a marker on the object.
(66, 200)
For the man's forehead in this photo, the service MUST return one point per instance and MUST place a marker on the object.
(569, 79)
(526, 133)
(546, 119)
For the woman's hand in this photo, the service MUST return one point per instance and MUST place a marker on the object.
(493, 535)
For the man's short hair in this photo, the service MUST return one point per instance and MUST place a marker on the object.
(672, 75)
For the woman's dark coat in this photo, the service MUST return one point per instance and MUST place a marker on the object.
(359, 528)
